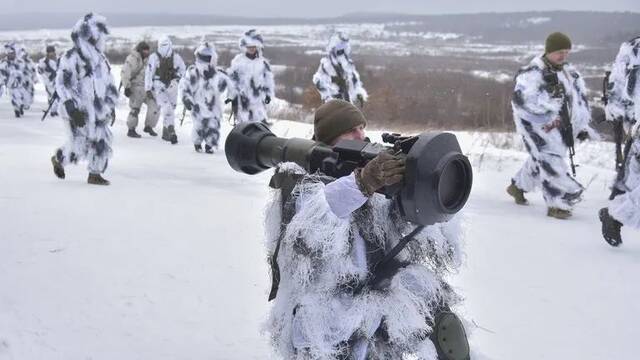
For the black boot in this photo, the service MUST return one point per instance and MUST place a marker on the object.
(149, 130)
(198, 147)
(58, 170)
(208, 149)
(610, 228)
(133, 134)
(173, 138)
(97, 179)
(21, 110)
(17, 112)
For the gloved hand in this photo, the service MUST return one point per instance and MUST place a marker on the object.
(78, 118)
(267, 99)
(127, 92)
(552, 125)
(583, 135)
(384, 170)
(150, 95)
(196, 108)
(187, 104)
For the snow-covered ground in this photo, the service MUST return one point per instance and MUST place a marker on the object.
(168, 262)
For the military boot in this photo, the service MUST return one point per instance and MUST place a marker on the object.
(165, 134)
(198, 147)
(17, 112)
(558, 213)
(173, 138)
(610, 228)
(133, 134)
(449, 337)
(208, 149)
(149, 130)
(58, 170)
(97, 179)
(517, 194)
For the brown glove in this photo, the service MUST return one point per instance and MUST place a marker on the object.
(384, 170)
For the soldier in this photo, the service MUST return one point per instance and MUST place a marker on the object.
(337, 77)
(132, 77)
(202, 89)
(624, 106)
(88, 97)
(30, 78)
(163, 73)
(550, 110)
(252, 78)
(13, 77)
(47, 68)
(326, 236)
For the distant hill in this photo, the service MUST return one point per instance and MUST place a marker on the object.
(593, 28)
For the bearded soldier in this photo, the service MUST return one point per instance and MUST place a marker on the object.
(132, 77)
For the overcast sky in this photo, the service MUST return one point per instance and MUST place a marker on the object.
(302, 8)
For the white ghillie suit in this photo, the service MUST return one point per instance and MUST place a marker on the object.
(624, 104)
(330, 237)
(534, 106)
(85, 85)
(14, 76)
(253, 80)
(32, 76)
(163, 73)
(202, 89)
(337, 77)
(47, 69)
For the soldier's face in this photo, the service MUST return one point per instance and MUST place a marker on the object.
(357, 133)
(51, 55)
(558, 57)
(252, 50)
(145, 53)
(11, 56)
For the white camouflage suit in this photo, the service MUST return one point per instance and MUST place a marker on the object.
(202, 89)
(133, 78)
(252, 80)
(47, 69)
(14, 77)
(165, 91)
(624, 104)
(84, 84)
(32, 76)
(330, 236)
(535, 106)
(337, 77)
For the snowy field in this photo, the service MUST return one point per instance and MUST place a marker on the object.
(168, 261)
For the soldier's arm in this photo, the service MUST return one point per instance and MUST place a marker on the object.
(179, 65)
(615, 109)
(269, 80)
(127, 70)
(322, 81)
(532, 97)
(150, 71)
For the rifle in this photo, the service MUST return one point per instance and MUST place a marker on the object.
(119, 87)
(184, 113)
(51, 101)
(566, 127)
